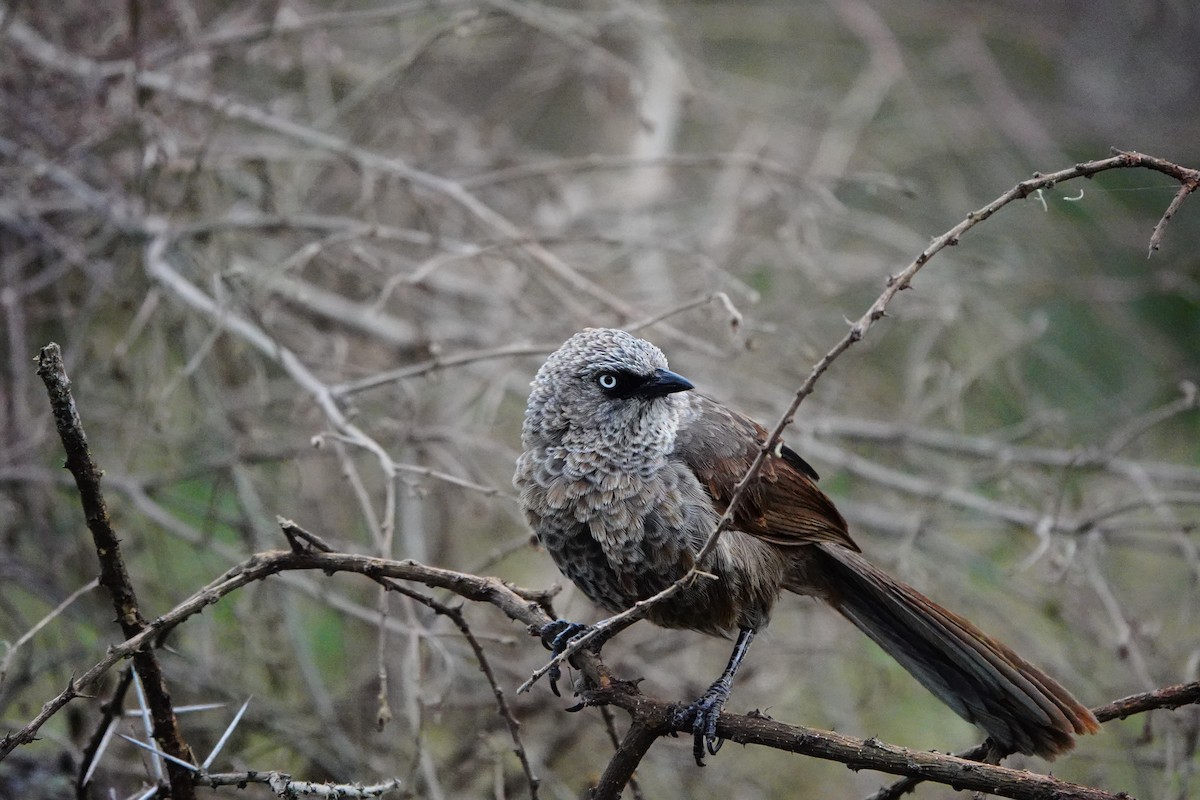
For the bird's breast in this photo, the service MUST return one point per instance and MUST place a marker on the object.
(622, 538)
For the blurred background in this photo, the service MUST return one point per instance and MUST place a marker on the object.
(304, 258)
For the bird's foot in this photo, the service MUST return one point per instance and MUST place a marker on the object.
(701, 716)
(557, 636)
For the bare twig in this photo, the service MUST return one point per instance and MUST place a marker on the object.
(734, 317)
(1160, 228)
(282, 784)
(1170, 697)
(439, 363)
(1128, 432)
(110, 712)
(43, 622)
(992, 449)
(295, 534)
(597, 161)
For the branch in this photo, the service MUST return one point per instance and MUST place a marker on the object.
(630, 752)
(1170, 697)
(282, 784)
(654, 718)
(113, 575)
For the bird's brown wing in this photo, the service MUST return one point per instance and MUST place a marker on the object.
(783, 505)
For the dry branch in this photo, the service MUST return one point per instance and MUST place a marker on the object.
(113, 575)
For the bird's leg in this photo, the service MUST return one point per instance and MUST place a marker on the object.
(557, 636)
(704, 713)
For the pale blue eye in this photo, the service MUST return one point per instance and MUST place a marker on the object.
(607, 380)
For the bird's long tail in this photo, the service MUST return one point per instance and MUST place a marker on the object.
(984, 681)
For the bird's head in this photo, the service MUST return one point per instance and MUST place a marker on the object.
(606, 384)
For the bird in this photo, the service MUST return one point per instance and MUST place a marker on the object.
(625, 472)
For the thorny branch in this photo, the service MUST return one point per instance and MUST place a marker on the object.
(113, 575)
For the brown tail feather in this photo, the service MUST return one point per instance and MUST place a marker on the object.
(982, 680)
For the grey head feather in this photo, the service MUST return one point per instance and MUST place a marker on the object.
(570, 413)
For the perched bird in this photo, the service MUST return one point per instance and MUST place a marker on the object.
(625, 474)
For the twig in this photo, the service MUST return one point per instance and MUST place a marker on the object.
(1160, 227)
(6, 662)
(438, 363)
(596, 161)
(1169, 697)
(514, 727)
(249, 34)
(282, 784)
(734, 317)
(1127, 433)
(113, 575)
(991, 449)
(110, 711)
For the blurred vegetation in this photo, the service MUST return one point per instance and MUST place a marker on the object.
(193, 192)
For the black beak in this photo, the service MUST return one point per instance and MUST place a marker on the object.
(664, 382)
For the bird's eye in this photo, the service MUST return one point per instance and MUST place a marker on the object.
(607, 381)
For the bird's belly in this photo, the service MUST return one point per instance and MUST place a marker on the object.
(614, 586)
(716, 603)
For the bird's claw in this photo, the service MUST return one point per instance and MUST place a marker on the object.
(556, 636)
(701, 716)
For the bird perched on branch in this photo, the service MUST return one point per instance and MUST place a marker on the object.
(625, 474)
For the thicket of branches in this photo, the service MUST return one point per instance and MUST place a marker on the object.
(302, 261)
